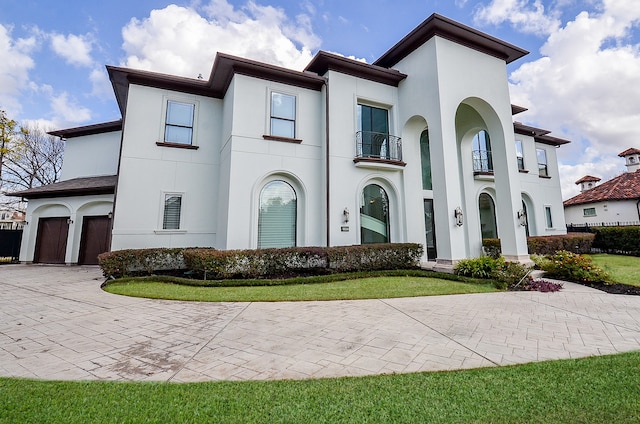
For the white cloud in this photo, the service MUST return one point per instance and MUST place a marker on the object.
(524, 15)
(586, 87)
(179, 40)
(74, 49)
(101, 84)
(68, 111)
(16, 60)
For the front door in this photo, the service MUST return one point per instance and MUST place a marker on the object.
(51, 240)
(94, 239)
(430, 230)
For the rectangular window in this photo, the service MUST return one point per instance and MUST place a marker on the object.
(547, 214)
(520, 155)
(283, 115)
(179, 122)
(373, 125)
(589, 211)
(172, 209)
(543, 170)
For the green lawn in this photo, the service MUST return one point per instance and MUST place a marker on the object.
(623, 269)
(363, 288)
(591, 390)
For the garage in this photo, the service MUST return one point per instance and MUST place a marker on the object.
(51, 240)
(94, 239)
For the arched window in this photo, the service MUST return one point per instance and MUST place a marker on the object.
(482, 161)
(277, 215)
(425, 159)
(487, 216)
(374, 215)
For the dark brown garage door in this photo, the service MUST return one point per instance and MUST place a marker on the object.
(51, 240)
(94, 239)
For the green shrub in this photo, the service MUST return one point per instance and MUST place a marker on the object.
(263, 263)
(571, 242)
(625, 240)
(504, 274)
(570, 266)
(491, 247)
(129, 262)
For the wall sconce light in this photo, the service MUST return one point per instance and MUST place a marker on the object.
(345, 215)
(458, 216)
(69, 221)
(522, 217)
(110, 215)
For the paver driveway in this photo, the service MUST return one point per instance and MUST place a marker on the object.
(56, 323)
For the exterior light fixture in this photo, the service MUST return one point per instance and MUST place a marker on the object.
(345, 215)
(522, 217)
(458, 216)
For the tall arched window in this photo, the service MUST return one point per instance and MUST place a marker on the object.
(487, 216)
(277, 215)
(374, 215)
(425, 159)
(482, 160)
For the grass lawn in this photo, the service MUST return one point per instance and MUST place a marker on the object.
(363, 288)
(590, 390)
(623, 269)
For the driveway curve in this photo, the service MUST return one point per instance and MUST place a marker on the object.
(57, 324)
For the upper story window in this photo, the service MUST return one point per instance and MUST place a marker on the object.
(283, 115)
(543, 169)
(482, 160)
(179, 122)
(373, 139)
(520, 155)
(172, 211)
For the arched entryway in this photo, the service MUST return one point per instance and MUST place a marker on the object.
(487, 210)
(374, 215)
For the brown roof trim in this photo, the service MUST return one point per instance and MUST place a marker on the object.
(630, 151)
(224, 68)
(437, 25)
(325, 61)
(70, 188)
(551, 141)
(101, 128)
(515, 109)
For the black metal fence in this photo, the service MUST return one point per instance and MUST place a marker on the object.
(10, 241)
(586, 228)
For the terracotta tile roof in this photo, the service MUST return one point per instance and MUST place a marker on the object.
(588, 178)
(623, 187)
(73, 187)
(630, 151)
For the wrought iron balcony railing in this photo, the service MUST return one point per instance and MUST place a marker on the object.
(378, 146)
(482, 162)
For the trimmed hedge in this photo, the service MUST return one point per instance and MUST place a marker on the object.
(547, 245)
(130, 262)
(625, 240)
(262, 263)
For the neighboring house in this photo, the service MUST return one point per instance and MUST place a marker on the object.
(419, 146)
(11, 219)
(614, 201)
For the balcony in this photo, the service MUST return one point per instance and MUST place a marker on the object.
(378, 148)
(482, 162)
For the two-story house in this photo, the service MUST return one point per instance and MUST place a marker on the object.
(419, 146)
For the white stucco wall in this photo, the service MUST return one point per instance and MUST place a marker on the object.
(91, 155)
(622, 211)
(148, 172)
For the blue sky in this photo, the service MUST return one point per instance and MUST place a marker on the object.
(581, 79)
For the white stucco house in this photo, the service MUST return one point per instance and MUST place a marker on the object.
(419, 146)
(616, 201)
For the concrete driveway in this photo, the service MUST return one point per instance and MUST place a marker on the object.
(56, 323)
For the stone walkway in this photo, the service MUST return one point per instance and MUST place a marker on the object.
(56, 323)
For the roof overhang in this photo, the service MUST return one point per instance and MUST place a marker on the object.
(437, 25)
(323, 62)
(71, 188)
(101, 128)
